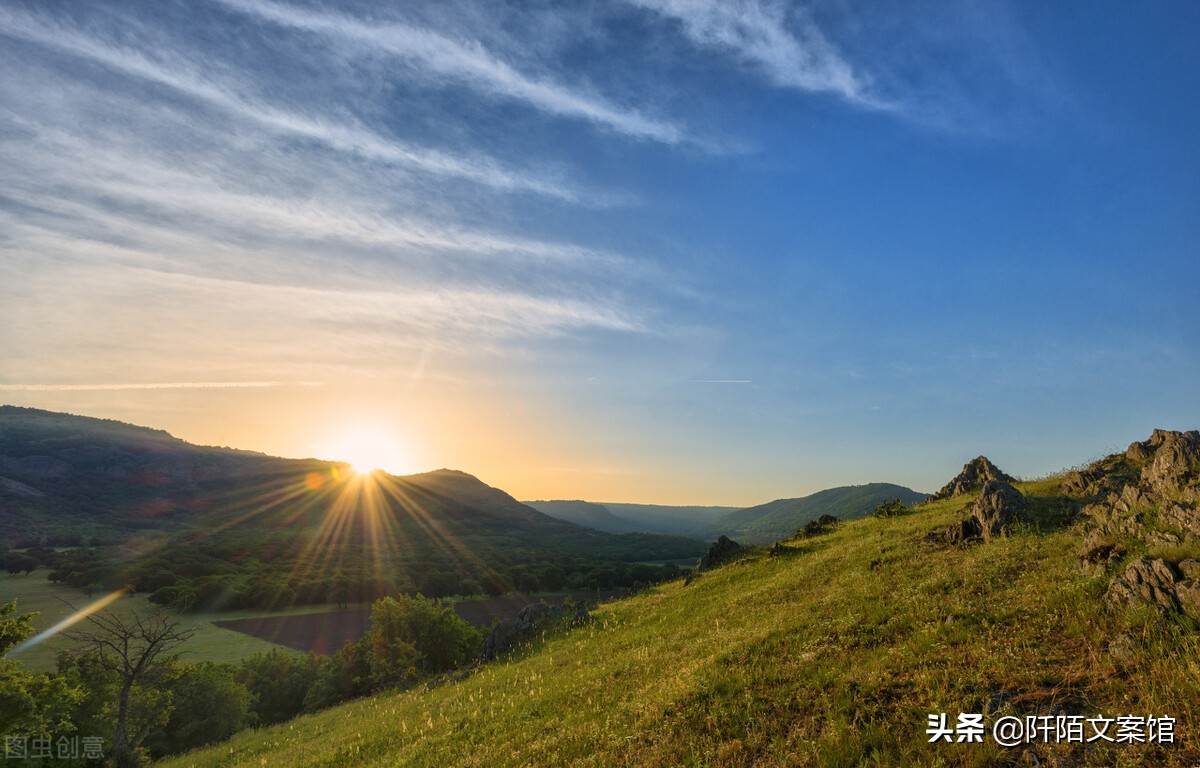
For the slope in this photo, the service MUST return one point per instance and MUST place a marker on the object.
(781, 518)
(832, 650)
(589, 514)
(215, 526)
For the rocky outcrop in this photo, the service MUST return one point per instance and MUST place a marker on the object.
(975, 474)
(1165, 585)
(507, 633)
(719, 552)
(1165, 465)
(1175, 463)
(1150, 494)
(997, 508)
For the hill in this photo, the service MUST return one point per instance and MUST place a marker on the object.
(780, 519)
(838, 649)
(620, 517)
(196, 525)
(589, 514)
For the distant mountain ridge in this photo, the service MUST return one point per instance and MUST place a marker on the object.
(780, 519)
(589, 514)
(622, 517)
(243, 527)
(760, 524)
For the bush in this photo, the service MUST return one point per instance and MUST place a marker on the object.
(891, 508)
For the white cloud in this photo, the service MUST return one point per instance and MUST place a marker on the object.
(174, 72)
(792, 51)
(466, 62)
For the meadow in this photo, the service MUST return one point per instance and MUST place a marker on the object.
(53, 602)
(832, 650)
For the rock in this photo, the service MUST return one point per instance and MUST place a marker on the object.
(1188, 593)
(818, 526)
(1122, 646)
(976, 474)
(503, 635)
(719, 552)
(1189, 568)
(506, 633)
(1145, 580)
(998, 507)
(1176, 461)
(1100, 553)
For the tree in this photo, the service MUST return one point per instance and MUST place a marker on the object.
(279, 682)
(136, 652)
(208, 705)
(30, 704)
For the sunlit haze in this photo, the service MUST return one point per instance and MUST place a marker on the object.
(634, 251)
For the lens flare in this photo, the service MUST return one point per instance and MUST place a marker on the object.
(74, 618)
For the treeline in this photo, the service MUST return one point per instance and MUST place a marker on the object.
(173, 707)
(197, 578)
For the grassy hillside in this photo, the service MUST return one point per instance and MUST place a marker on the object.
(831, 651)
(781, 518)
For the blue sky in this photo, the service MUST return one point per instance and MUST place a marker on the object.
(658, 250)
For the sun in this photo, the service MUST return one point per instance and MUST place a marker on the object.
(370, 449)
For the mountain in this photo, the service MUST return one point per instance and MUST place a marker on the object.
(589, 514)
(846, 648)
(197, 524)
(620, 517)
(780, 519)
(687, 520)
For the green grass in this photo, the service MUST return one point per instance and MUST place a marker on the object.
(831, 652)
(210, 643)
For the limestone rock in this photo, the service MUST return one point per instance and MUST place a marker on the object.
(998, 507)
(975, 474)
(1145, 580)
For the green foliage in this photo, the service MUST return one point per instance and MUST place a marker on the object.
(415, 636)
(278, 682)
(891, 508)
(30, 704)
(208, 705)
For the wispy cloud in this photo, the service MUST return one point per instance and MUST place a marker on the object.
(789, 49)
(172, 71)
(159, 385)
(467, 62)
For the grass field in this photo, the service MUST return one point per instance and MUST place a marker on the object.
(34, 592)
(834, 651)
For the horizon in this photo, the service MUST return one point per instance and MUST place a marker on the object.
(525, 499)
(685, 254)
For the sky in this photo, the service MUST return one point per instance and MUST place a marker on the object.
(667, 251)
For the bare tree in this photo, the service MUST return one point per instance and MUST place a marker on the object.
(137, 649)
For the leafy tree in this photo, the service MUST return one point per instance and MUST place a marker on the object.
(208, 705)
(411, 636)
(30, 704)
(279, 683)
(131, 663)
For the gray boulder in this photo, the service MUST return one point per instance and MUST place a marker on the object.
(997, 508)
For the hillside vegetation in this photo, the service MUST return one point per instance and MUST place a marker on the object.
(826, 650)
(782, 518)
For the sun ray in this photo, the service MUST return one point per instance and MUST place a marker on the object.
(70, 621)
